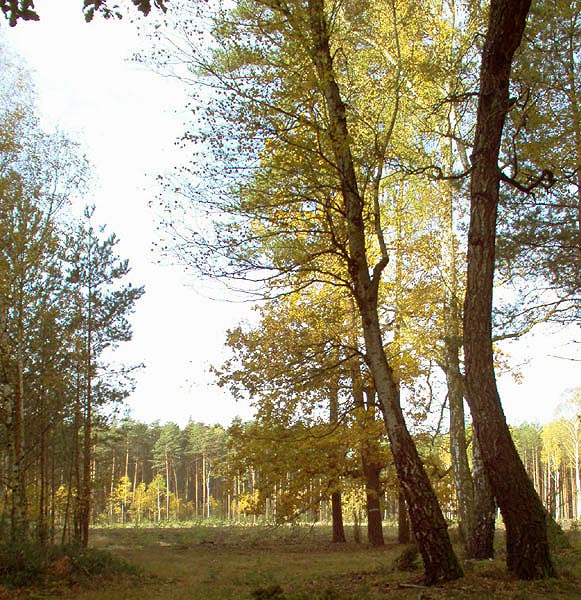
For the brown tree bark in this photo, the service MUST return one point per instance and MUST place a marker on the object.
(371, 472)
(86, 487)
(42, 520)
(368, 449)
(15, 430)
(337, 519)
(460, 467)
(528, 553)
(76, 481)
(403, 522)
(484, 508)
(336, 504)
(426, 517)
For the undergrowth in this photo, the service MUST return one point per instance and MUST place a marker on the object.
(30, 564)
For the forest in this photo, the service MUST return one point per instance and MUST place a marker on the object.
(397, 191)
(153, 474)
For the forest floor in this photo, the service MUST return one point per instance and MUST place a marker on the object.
(290, 563)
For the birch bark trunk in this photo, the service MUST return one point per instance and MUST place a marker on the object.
(426, 517)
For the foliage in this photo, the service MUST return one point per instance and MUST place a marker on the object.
(539, 233)
(29, 564)
(23, 10)
(63, 302)
(261, 470)
(266, 172)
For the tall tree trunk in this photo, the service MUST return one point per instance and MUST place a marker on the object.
(85, 487)
(528, 553)
(368, 451)
(204, 486)
(577, 493)
(463, 482)
(484, 508)
(336, 505)
(208, 497)
(427, 520)
(451, 361)
(77, 485)
(167, 480)
(403, 522)
(196, 488)
(371, 472)
(176, 493)
(18, 521)
(53, 496)
(112, 490)
(337, 518)
(42, 524)
(85, 498)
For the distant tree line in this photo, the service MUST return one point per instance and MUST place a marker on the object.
(150, 474)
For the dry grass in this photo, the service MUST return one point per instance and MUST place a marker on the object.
(227, 563)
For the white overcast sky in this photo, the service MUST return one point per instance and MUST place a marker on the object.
(127, 119)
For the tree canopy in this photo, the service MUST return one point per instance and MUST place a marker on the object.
(24, 10)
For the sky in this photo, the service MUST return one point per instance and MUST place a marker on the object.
(127, 120)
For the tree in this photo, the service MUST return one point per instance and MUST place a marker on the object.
(24, 10)
(571, 411)
(539, 221)
(293, 364)
(28, 240)
(425, 514)
(166, 453)
(39, 174)
(102, 306)
(310, 213)
(120, 499)
(528, 554)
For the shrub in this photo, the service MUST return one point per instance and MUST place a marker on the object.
(273, 592)
(21, 563)
(29, 564)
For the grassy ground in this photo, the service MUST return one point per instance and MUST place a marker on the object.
(227, 563)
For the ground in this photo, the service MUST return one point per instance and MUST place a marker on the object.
(287, 563)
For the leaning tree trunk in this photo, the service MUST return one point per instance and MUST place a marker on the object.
(426, 517)
(528, 553)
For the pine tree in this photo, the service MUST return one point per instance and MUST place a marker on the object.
(102, 304)
(523, 513)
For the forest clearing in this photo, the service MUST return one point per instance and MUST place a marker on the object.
(288, 563)
(396, 194)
